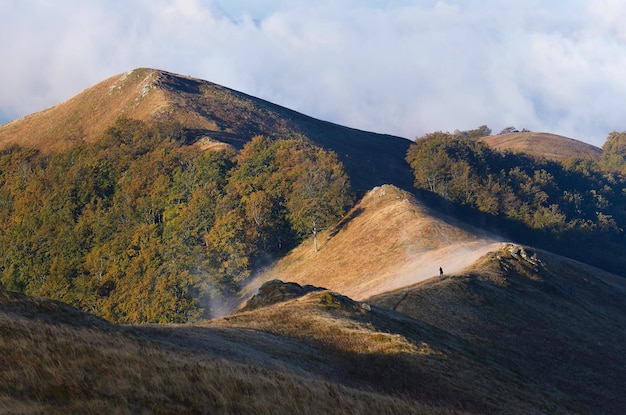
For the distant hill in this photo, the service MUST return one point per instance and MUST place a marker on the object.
(212, 115)
(550, 146)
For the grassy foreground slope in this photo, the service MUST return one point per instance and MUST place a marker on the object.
(320, 353)
(57, 360)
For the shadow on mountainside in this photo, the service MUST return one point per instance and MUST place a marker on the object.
(583, 246)
(379, 349)
(554, 321)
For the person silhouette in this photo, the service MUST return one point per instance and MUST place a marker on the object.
(440, 272)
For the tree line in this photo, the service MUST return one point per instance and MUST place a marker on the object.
(139, 227)
(577, 206)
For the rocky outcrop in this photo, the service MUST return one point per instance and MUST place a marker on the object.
(277, 291)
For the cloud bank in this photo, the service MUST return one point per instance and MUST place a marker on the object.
(401, 67)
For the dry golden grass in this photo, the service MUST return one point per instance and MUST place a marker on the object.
(86, 116)
(48, 367)
(321, 353)
(388, 241)
(387, 351)
(550, 146)
(144, 94)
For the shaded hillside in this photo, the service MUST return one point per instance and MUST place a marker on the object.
(550, 146)
(389, 240)
(560, 323)
(210, 114)
(389, 352)
(320, 353)
(55, 365)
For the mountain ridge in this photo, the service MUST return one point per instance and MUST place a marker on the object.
(560, 320)
(394, 240)
(210, 114)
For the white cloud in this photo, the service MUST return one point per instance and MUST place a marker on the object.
(402, 67)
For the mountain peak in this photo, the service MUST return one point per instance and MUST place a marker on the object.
(211, 115)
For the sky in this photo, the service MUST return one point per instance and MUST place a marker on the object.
(399, 67)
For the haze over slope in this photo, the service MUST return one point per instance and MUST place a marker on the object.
(389, 240)
(209, 114)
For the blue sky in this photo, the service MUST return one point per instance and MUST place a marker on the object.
(399, 67)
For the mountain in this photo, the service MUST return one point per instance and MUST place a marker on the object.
(550, 146)
(212, 115)
(136, 225)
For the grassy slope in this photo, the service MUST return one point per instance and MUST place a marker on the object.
(550, 146)
(559, 322)
(213, 115)
(321, 353)
(87, 115)
(389, 240)
(386, 351)
(54, 359)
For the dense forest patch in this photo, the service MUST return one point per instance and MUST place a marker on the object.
(139, 227)
(577, 207)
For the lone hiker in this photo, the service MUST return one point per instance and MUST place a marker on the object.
(440, 272)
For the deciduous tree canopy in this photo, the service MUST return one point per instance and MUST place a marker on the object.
(139, 227)
(581, 205)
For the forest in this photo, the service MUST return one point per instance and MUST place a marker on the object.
(576, 207)
(140, 227)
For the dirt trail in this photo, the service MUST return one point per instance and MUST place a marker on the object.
(420, 267)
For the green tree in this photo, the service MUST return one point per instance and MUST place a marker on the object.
(614, 152)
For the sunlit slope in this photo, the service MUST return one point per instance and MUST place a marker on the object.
(389, 240)
(561, 323)
(211, 116)
(87, 115)
(550, 146)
